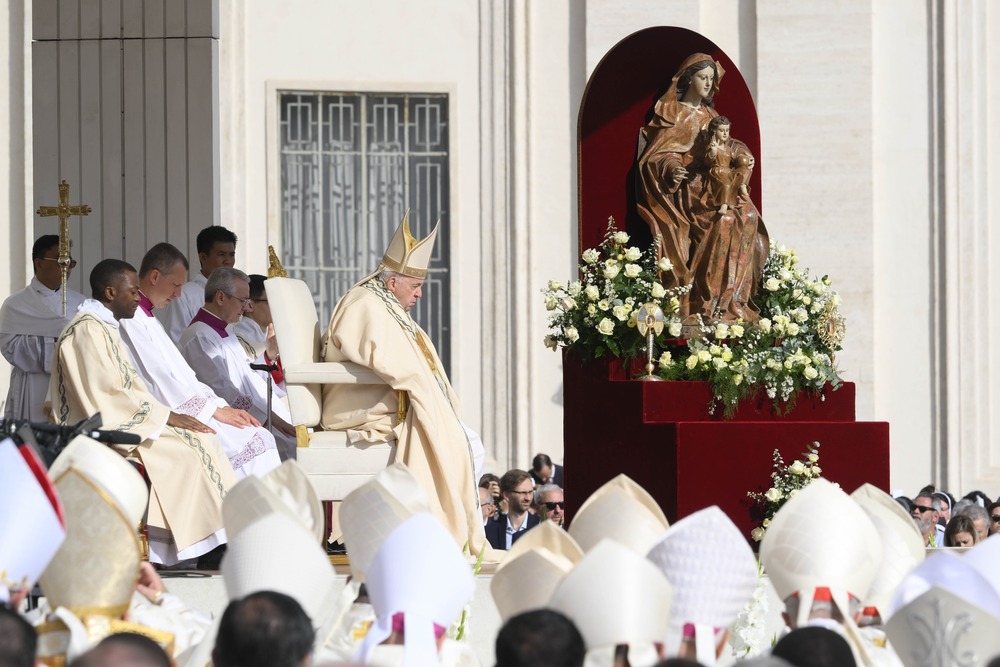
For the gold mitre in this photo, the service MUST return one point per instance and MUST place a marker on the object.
(95, 571)
(407, 255)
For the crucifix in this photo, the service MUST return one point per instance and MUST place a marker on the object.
(64, 211)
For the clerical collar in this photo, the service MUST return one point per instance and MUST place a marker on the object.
(217, 324)
(145, 304)
(97, 308)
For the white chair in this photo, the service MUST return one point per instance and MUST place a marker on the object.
(335, 466)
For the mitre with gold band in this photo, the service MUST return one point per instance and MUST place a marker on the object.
(405, 254)
(91, 580)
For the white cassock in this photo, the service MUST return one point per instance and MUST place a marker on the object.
(30, 322)
(178, 314)
(251, 336)
(219, 360)
(251, 450)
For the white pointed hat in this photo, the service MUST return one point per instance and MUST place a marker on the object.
(419, 572)
(370, 513)
(902, 545)
(286, 489)
(526, 581)
(985, 557)
(615, 596)
(620, 510)
(713, 572)
(31, 515)
(945, 612)
(546, 535)
(821, 538)
(95, 571)
(275, 552)
(407, 255)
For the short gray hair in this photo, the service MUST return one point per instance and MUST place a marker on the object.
(385, 274)
(542, 490)
(975, 512)
(224, 279)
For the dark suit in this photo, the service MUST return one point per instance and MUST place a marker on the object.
(496, 531)
(557, 476)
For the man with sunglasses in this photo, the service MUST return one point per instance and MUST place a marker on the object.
(994, 511)
(550, 504)
(30, 322)
(925, 515)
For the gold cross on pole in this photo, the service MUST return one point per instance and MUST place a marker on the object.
(64, 211)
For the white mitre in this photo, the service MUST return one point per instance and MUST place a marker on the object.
(546, 535)
(945, 613)
(713, 572)
(285, 489)
(407, 255)
(902, 545)
(620, 510)
(615, 596)
(984, 557)
(370, 513)
(418, 572)
(31, 516)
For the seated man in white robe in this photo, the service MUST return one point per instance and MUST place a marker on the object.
(250, 447)
(189, 472)
(371, 326)
(213, 351)
(216, 247)
(30, 323)
(256, 335)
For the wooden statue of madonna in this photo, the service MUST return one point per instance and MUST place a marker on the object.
(692, 190)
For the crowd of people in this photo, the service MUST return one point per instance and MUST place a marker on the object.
(945, 521)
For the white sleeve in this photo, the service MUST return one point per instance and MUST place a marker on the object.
(31, 354)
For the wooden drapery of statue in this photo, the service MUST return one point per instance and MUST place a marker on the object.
(691, 189)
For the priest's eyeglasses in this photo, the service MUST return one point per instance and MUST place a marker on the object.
(72, 262)
(245, 302)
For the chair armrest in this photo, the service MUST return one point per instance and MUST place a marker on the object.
(330, 372)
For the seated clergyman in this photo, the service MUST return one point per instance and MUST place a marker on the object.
(188, 470)
(30, 323)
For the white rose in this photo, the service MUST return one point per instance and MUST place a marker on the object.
(664, 264)
(574, 288)
(591, 309)
(793, 493)
(835, 300)
(736, 331)
(722, 331)
(714, 350)
(806, 301)
(603, 304)
(796, 293)
(792, 328)
(816, 470)
(704, 356)
(620, 313)
(555, 285)
(727, 355)
(797, 468)
(719, 363)
(764, 324)
(691, 362)
(606, 327)
(592, 292)
(801, 316)
(590, 256)
(632, 270)
(611, 270)
(757, 534)
(572, 335)
(813, 457)
(620, 238)
(772, 285)
(551, 303)
(810, 373)
(785, 274)
(773, 495)
(633, 254)
(737, 380)
(551, 343)
(674, 329)
(658, 291)
(569, 303)
(665, 359)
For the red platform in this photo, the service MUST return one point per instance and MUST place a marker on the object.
(662, 436)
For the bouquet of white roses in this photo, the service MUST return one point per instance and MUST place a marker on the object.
(597, 313)
(786, 482)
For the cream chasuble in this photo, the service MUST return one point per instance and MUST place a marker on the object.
(30, 323)
(190, 472)
(251, 450)
(369, 327)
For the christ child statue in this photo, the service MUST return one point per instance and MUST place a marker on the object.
(729, 163)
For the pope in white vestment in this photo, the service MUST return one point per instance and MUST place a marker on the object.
(211, 348)
(30, 322)
(189, 472)
(371, 326)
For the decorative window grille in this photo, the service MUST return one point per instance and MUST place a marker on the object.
(351, 164)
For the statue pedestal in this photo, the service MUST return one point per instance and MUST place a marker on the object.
(662, 435)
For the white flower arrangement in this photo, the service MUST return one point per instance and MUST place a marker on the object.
(786, 482)
(596, 316)
(748, 634)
